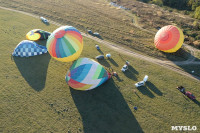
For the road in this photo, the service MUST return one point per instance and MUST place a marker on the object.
(167, 64)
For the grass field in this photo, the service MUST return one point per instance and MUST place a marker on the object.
(97, 15)
(34, 96)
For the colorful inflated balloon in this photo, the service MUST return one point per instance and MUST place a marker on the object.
(86, 74)
(65, 44)
(169, 39)
(28, 48)
(37, 34)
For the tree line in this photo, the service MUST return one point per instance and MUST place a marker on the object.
(189, 5)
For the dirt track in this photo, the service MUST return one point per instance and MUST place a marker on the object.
(167, 64)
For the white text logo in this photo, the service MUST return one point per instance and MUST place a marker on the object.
(184, 128)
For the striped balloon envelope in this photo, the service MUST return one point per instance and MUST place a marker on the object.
(169, 39)
(37, 34)
(86, 74)
(65, 44)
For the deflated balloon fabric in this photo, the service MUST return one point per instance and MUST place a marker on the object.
(28, 48)
(86, 74)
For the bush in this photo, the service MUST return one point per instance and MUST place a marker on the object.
(197, 37)
(186, 12)
(197, 13)
(170, 10)
(157, 2)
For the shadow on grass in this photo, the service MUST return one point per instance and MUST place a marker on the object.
(100, 37)
(119, 79)
(180, 55)
(103, 62)
(104, 110)
(33, 69)
(137, 95)
(186, 98)
(41, 42)
(152, 87)
(113, 62)
(47, 23)
(132, 70)
(197, 102)
(184, 54)
(189, 68)
(100, 51)
(130, 73)
(145, 91)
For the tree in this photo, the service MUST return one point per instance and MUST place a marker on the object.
(193, 4)
(197, 13)
(157, 2)
(179, 4)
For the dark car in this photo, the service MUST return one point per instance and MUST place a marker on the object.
(190, 95)
(90, 32)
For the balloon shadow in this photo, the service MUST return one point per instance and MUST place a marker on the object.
(104, 110)
(187, 57)
(113, 62)
(152, 87)
(33, 69)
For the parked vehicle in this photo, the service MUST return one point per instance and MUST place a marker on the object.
(96, 34)
(187, 93)
(190, 95)
(44, 20)
(142, 83)
(124, 68)
(90, 32)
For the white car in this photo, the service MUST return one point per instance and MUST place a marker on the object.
(124, 68)
(142, 83)
(44, 19)
(96, 34)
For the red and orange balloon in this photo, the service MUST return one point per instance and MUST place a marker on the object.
(169, 39)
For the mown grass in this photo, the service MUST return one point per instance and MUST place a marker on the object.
(35, 97)
(97, 15)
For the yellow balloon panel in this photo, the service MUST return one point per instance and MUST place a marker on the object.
(33, 36)
(179, 44)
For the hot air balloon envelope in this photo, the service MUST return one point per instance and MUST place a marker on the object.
(86, 74)
(28, 48)
(169, 39)
(37, 34)
(65, 44)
